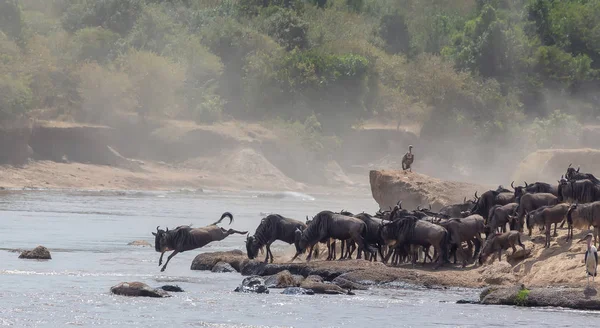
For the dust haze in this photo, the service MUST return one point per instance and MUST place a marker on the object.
(274, 95)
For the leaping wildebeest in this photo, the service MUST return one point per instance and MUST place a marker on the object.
(327, 224)
(273, 227)
(185, 238)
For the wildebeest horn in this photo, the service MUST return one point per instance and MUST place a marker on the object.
(512, 184)
(526, 183)
(570, 164)
(430, 207)
(418, 207)
(157, 228)
(476, 195)
(465, 200)
(578, 169)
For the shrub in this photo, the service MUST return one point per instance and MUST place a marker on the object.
(11, 22)
(285, 27)
(95, 44)
(15, 97)
(115, 15)
(558, 130)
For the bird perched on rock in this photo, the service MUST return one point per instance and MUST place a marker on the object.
(591, 258)
(408, 159)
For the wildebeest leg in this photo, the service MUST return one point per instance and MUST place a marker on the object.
(555, 234)
(548, 229)
(453, 251)
(168, 259)
(160, 259)
(343, 251)
(310, 252)
(478, 242)
(499, 255)
(268, 252)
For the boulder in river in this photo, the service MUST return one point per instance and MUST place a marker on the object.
(573, 298)
(253, 284)
(221, 267)
(297, 291)
(324, 288)
(137, 288)
(38, 253)
(171, 288)
(283, 279)
(206, 261)
(142, 243)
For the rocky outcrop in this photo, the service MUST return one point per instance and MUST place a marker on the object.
(141, 243)
(413, 189)
(206, 261)
(573, 298)
(137, 288)
(38, 253)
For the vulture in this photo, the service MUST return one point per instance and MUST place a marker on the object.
(408, 159)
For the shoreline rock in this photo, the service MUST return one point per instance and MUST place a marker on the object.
(573, 298)
(137, 288)
(38, 253)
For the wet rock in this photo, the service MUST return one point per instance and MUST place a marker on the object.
(171, 288)
(222, 267)
(137, 288)
(314, 278)
(324, 288)
(39, 253)
(142, 243)
(206, 261)
(347, 284)
(467, 302)
(573, 298)
(297, 291)
(283, 279)
(253, 285)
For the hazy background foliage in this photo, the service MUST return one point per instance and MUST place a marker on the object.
(466, 71)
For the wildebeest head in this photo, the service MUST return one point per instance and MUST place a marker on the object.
(160, 243)
(519, 190)
(571, 172)
(251, 247)
(299, 242)
(487, 248)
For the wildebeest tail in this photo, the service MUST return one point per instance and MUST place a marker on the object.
(225, 215)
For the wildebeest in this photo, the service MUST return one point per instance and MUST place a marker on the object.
(490, 198)
(500, 215)
(500, 242)
(583, 216)
(455, 210)
(534, 188)
(271, 228)
(186, 238)
(580, 191)
(530, 202)
(575, 175)
(327, 224)
(468, 230)
(545, 216)
(411, 231)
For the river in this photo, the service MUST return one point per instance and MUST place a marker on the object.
(87, 234)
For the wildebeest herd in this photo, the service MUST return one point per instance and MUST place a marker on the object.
(486, 225)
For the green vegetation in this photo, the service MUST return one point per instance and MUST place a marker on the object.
(521, 298)
(459, 68)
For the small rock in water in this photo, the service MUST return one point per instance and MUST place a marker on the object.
(38, 253)
(467, 302)
(142, 243)
(221, 267)
(297, 291)
(283, 279)
(171, 288)
(253, 285)
(137, 288)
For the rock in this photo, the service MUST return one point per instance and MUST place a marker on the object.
(39, 253)
(324, 288)
(519, 255)
(171, 288)
(347, 284)
(388, 186)
(137, 288)
(467, 302)
(142, 243)
(253, 284)
(283, 279)
(222, 267)
(573, 298)
(297, 291)
(206, 261)
(314, 278)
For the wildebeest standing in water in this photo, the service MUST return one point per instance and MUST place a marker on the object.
(326, 225)
(186, 238)
(273, 227)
